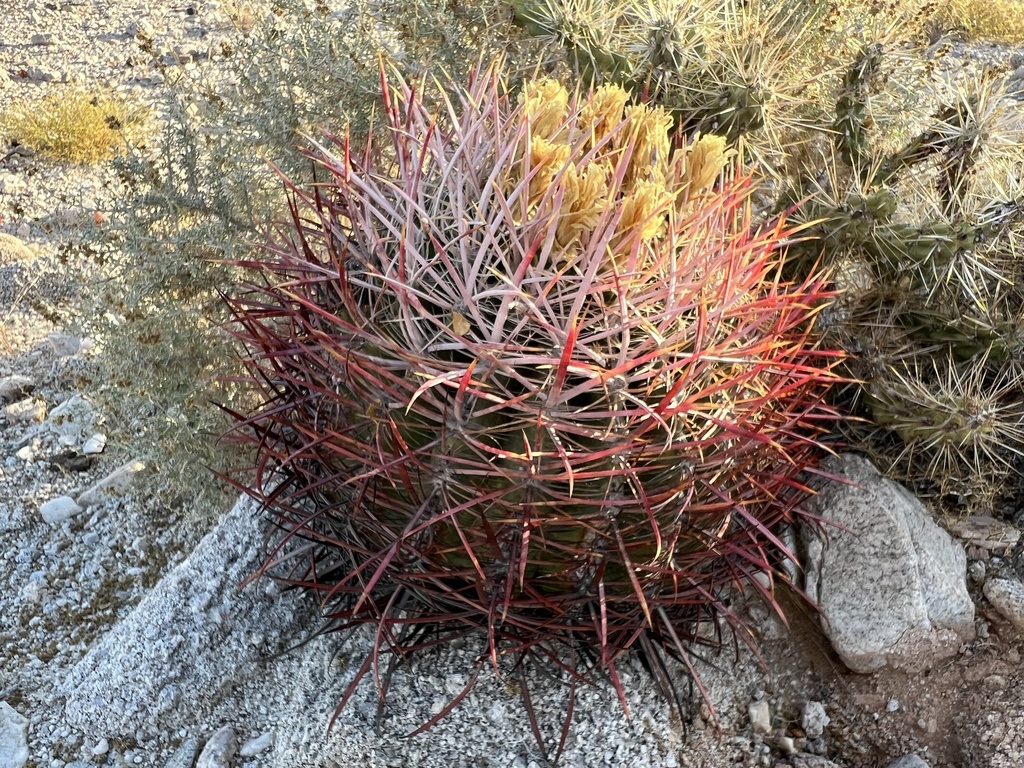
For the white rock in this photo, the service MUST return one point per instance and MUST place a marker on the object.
(909, 761)
(813, 719)
(113, 484)
(65, 344)
(12, 249)
(253, 747)
(58, 510)
(1007, 597)
(13, 184)
(101, 748)
(95, 444)
(26, 410)
(760, 716)
(34, 591)
(12, 387)
(72, 418)
(75, 407)
(891, 584)
(185, 755)
(120, 684)
(13, 737)
(218, 750)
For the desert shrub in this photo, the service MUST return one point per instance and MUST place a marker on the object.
(74, 125)
(528, 374)
(200, 193)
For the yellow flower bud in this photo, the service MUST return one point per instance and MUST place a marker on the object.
(546, 159)
(703, 160)
(584, 197)
(602, 112)
(643, 215)
(546, 105)
(648, 131)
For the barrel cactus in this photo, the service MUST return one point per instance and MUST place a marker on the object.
(528, 371)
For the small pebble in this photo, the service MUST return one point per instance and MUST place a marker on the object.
(14, 387)
(218, 750)
(95, 444)
(813, 719)
(786, 745)
(58, 510)
(909, 761)
(253, 747)
(760, 717)
(26, 410)
(995, 682)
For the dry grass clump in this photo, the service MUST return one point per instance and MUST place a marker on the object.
(1001, 21)
(244, 14)
(76, 126)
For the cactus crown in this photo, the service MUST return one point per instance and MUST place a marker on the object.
(910, 185)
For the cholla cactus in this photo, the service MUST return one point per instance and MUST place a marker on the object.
(932, 231)
(529, 371)
(758, 72)
(958, 414)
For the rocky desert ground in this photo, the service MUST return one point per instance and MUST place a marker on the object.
(127, 640)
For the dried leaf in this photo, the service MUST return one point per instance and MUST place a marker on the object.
(460, 324)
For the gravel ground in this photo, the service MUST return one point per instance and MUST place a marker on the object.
(67, 574)
(66, 581)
